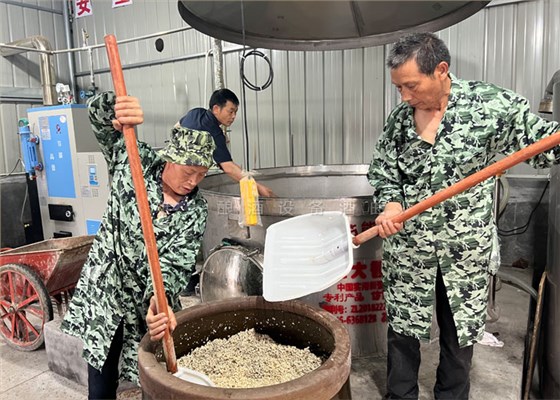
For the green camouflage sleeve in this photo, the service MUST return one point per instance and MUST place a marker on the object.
(101, 114)
(178, 249)
(383, 173)
(177, 267)
(522, 128)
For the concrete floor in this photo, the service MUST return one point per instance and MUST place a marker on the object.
(496, 372)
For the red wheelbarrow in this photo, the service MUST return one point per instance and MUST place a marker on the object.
(31, 277)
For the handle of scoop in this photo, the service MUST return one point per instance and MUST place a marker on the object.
(464, 184)
(142, 199)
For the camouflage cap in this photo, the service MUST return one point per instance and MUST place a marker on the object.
(189, 147)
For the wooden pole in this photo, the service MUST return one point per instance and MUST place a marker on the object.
(142, 199)
(470, 181)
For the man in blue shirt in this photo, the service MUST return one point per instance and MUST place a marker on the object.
(223, 109)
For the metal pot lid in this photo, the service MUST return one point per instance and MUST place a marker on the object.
(321, 25)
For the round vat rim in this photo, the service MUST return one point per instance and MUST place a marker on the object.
(325, 379)
(296, 171)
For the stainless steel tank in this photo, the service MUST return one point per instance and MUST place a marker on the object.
(357, 300)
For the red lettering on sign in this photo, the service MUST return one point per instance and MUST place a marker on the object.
(367, 224)
(83, 7)
(358, 297)
(333, 309)
(377, 295)
(365, 308)
(359, 270)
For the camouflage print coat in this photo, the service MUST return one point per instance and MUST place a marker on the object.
(115, 283)
(459, 235)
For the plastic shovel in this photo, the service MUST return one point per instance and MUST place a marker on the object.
(308, 253)
(190, 375)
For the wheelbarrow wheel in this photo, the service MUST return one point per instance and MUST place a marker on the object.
(25, 307)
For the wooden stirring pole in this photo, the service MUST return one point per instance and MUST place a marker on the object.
(470, 181)
(142, 199)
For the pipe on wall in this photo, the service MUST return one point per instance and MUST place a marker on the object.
(218, 64)
(123, 41)
(30, 6)
(159, 61)
(43, 45)
(70, 43)
(40, 44)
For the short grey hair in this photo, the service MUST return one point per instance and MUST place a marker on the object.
(427, 48)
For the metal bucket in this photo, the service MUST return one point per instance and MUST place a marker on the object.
(357, 300)
(242, 276)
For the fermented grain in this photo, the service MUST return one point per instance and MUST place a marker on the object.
(249, 359)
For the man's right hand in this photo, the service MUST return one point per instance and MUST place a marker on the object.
(235, 172)
(128, 112)
(265, 191)
(384, 224)
(157, 323)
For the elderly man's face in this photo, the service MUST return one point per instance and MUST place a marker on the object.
(419, 90)
(182, 179)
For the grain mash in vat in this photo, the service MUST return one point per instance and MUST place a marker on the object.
(249, 359)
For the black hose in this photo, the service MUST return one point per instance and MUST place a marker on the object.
(246, 83)
(523, 228)
(256, 53)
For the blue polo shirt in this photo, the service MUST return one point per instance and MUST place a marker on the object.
(201, 119)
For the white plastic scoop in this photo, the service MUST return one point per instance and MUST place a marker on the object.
(306, 254)
(190, 375)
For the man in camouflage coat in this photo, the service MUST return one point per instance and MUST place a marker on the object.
(113, 294)
(444, 130)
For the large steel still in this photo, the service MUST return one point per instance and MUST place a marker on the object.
(357, 300)
(550, 369)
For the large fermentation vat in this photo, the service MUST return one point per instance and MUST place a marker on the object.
(291, 322)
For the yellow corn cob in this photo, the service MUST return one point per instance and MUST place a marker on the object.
(249, 198)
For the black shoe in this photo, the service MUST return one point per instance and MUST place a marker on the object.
(190, 290)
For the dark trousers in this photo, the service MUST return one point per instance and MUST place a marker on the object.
(103, 384)
(403, 358)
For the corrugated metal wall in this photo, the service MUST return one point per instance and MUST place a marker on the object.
(20, 73)
(323, 107)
